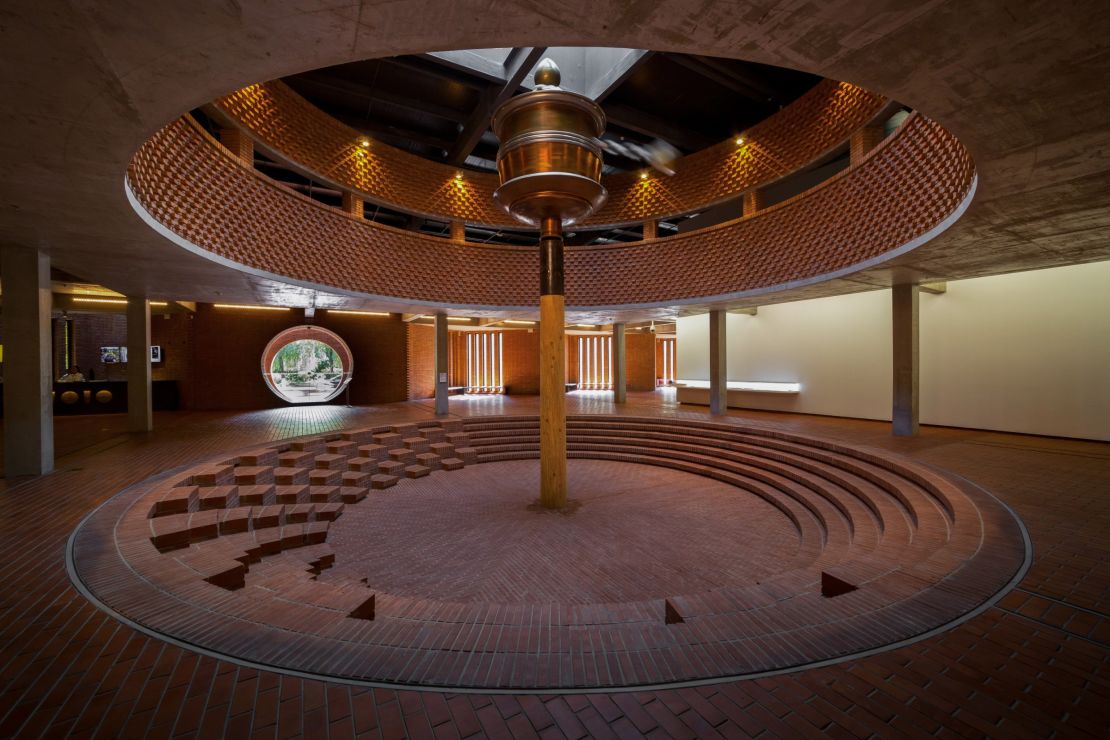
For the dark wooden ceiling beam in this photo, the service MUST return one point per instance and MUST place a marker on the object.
(368, 95)
(649, 125)
(760, 90)
(699, 67)
(491, 99)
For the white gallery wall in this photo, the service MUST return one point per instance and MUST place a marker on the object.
(1027, 352)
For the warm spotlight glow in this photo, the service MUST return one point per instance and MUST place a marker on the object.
(364, 143)
(113, 301)
(643, 175)
(458, 318)
(251, 308)
(747, 385)
(357, 313)
(739, 141)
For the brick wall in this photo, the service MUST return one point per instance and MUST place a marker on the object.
(640, 361)
(227, 351)
(173, 332)
(522, 361)
(91, 332)
(378, 346)
(420, 342)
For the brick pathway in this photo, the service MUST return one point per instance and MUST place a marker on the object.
(1034, 665)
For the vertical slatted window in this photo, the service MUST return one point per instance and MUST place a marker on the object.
(485, 371)
(668, 365)
(595, 363)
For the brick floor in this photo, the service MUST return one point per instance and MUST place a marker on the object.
(1021, 668)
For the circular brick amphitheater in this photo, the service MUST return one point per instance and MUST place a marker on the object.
(415, 554)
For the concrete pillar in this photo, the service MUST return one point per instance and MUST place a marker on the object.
(441, 364)
(28, 405)
(458, 231)
(718, 364)
(904, 312)
(620, 365)
(752, 202)
(140, 414)
(239, 143)
(862, 141)
(651, 229)
(353, 205)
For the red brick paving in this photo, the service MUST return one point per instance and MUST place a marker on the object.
(1002, 674)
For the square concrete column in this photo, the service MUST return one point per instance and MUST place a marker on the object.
(140, 407)
(620, 365)
(718, 364)
(441, 364)
(28, 385)
(904, 312)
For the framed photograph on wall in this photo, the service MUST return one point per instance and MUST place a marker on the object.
(155, 353)
(111, 355)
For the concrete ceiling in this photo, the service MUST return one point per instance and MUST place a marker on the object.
(84, 82)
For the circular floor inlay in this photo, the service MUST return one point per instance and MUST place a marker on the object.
(640, 532)
(413, 554)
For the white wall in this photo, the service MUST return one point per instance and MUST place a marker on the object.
(1028, 352)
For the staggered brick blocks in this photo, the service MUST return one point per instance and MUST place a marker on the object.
(290, 128)
(272, 585)
(903, 190)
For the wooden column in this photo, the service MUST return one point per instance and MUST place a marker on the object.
(718, 364)
(553, 422)
(904, 315)
(239, 143)
(651, 229)
(752, 202)
(620, 365)
(862, 141)
(458, 232)
(441, 364)
(28, 385)
(140, 414)
(353, 205)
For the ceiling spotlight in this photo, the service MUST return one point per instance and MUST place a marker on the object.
(643, 175)
(364, 142)
(739, 141)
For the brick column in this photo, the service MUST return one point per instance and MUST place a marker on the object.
(28, 384)
(140, 413)
(718, 363)
(753, 201)
(620, 365)
(352, 204)
(458, 232)
(651, 229)
(862, 141)
(904, 314)
(239, 143)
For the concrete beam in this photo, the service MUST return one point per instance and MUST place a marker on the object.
(140, 413)
(936, 288)
(28, 385)
(718, 363)
(620, 365)
(904, 315)
(441, 364)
